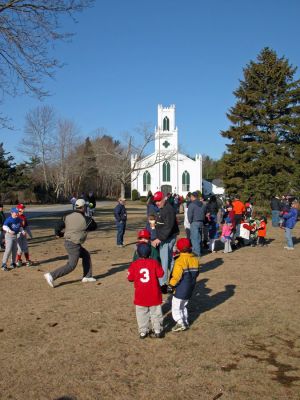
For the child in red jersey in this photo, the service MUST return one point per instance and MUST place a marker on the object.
(22, 243)
(262, 231)
(145, 272)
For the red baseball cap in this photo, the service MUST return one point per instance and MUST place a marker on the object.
(20, 206)
(144, 234)
(158, 196)
(183, 244)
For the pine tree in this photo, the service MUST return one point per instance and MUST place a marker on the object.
(7, 173)
(263, 157)
(90, 173)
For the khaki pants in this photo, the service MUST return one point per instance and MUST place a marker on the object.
(146, 314)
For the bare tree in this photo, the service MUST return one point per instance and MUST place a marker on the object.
(61, 161)
(125, 158)
(27, 28)
(39, 142)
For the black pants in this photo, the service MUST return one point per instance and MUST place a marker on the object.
(261, 241)
(75, 251)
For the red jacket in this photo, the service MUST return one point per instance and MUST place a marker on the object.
(145, 272)
(262, 230)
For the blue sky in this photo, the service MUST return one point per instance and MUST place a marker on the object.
(128, 56)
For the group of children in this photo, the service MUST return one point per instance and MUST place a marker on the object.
(250, 231)
(16, 232)
(145, 271)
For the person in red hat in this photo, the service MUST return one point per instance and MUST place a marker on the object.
(22, 238)
(144, 236)
(145, 272)
(166, 230)
(182, 283)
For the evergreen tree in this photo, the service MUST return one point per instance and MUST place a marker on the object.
(263, 157)
(90, 170)
(7, 173)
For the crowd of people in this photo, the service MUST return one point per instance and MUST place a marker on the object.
(161, 263)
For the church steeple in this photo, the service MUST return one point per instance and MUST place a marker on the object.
(166, 133)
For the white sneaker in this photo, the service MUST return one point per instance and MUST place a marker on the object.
(90, 279)
(49, 279)
(288, 248)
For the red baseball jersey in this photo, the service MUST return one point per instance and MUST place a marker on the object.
(145, 272)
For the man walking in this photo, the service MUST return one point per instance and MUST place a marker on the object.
(196, 217)
(74, 229)
(121, 218)
(166, 231)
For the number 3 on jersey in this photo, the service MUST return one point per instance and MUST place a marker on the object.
(146, 275)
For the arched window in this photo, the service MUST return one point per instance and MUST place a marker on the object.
(185, 182)
(166, 124)
(166, 171)
(146, 181)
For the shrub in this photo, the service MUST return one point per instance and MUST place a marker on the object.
(134, 195)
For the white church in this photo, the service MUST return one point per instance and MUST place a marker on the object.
(166, 169)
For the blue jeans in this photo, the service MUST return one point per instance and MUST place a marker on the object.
(275, 217)
(120, 232)
(196, 236)
(288, 236)
(166, 257)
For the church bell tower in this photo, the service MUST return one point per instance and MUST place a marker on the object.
(166, 132)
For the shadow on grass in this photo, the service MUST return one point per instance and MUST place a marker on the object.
(210, 265)
(200, 302)
(121, 267)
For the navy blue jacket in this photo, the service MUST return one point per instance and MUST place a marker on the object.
(120, 213)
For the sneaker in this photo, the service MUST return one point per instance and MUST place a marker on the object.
(19, 263)
(28, 263)
(4, 267)
(179, 327)
(88, 279)
(143, 335)
(288, 248)
(49, 279)
(13, 265)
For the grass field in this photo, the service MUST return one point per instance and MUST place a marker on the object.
(80, 341)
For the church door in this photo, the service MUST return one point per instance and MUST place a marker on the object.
(166, 189)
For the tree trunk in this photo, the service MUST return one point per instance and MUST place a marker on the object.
(122, 190)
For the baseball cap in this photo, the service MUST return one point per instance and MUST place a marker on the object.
(20, 206)
(144, 234)
(183, 244)
(14, 210)
(158, 196)
(79, 203)
(195, 194)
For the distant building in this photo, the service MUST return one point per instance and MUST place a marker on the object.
(166, 169)
(213, 187)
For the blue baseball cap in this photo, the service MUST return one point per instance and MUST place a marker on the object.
(14, 210)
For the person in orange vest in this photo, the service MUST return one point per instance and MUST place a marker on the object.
(239, 211)
(262, 231)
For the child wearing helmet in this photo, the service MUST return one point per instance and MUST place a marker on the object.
(22, 243)
(12, 227)
(182, 283)
(144, 236)
(145, 272)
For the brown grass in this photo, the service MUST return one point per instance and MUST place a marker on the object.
(79, 341)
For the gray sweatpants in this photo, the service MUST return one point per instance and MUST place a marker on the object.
(146, 314)
(10, 248)
(75, 251)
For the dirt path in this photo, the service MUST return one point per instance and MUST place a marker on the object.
(79, 341)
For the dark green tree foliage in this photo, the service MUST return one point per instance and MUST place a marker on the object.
(7, 172)
(263, 157)
(90, 170)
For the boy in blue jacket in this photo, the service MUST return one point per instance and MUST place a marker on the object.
(183, 281)
(12, 227)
